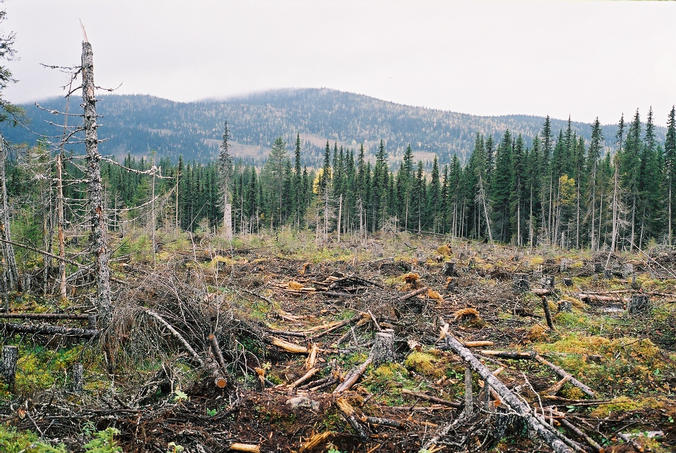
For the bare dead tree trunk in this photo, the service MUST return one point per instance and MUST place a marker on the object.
(60, 225)
(153, 216)
(482, 194)
(95, 187)
(176, 201)
(340, 214)
(8, 257)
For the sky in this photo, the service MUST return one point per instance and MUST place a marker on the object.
(577, 58)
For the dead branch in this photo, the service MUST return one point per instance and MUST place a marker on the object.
(563, 373)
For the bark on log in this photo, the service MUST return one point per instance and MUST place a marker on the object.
(48, 330)
(514, 355)
(43, 316)
(10, 356)
(304, 378)
(540, 427)
(353, 376)
(349, 413)
(412, 294)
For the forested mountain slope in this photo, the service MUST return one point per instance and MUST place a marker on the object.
(138, 124)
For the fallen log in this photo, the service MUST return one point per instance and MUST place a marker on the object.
(558, 442)
(412, 294)
(312, 357)
(587, 297)
(48, 329)
(249, 448)
(353, 376)
(592, 443)
(478, 343)
(348, 412)
(288, 346)
(304, 378)
(44, 316)
(514, 355)
(564, 374)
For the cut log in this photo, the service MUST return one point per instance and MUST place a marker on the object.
(563, 373)
(48, 330)
(412, 294)
(349, 413)
(514, 355)
(216, 351)
(554, 389)
(586, 297)
(353, 376)
(249, 448)
(288, 346)
(304, 378)
(547, 433)
(478, 343)
(312, 357)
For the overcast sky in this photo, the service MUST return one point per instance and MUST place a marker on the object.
(580, 58)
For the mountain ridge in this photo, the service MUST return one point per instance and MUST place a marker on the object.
(139, 123)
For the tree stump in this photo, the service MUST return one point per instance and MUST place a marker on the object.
(639, 303)
(77, 374)
(565, 305)
(548, 281)
(449, 269)
(598, 268)
(10, 355)
(383, 347)
(627, 270)
(564, 265)
(521, 284)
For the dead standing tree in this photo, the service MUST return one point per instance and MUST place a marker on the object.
(95, 187)
(11, 275)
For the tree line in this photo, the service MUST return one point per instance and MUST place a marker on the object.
(560, 190)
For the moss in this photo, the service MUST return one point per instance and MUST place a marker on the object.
(624, 404)
(423, 363)
(622, 365)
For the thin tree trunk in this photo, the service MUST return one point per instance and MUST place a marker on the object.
(482, 194)
(153, 217)
(176, 202)
(340, 214)
(60, 225)
(95, 187)
(9, 258)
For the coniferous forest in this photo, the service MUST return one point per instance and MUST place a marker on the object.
(559, 191)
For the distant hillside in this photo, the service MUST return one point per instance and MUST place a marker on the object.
(139, 124)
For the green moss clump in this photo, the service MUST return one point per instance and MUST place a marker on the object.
(423, 363)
